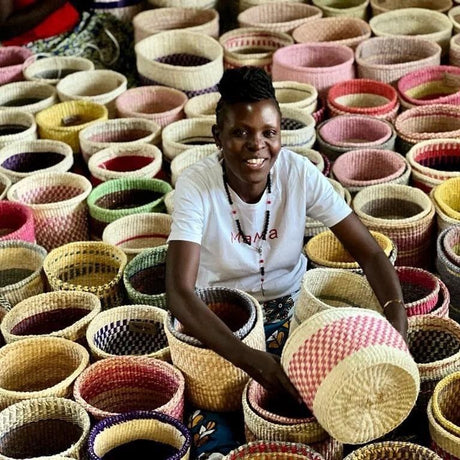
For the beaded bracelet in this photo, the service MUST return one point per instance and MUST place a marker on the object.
(388, 302)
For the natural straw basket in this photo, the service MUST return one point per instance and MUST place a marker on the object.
(89, 266)
(454, 16)
(58, 202)
(160, 104)
(446, 195)
(202, 106)
(273, 450)
(15, 126)
(313, 155)
(5, 184)
(54, 314)
(442, 219)
(292, 94)
(41, 428)
(381, 6)
(393, 450)
(200, 4)
(454, 50)
(188, 157)
(11, 61)
(387, 59)
(169, 202)
(131, 330)
(297, 128)
(28, 96)
(351, 8)
(445, 403)
(16, 222)
(368, 356)
(39, 367)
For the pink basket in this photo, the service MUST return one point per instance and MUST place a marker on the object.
(12, 59)
(16, 222)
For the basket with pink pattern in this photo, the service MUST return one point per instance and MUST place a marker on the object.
(273, 450)
(16, 222)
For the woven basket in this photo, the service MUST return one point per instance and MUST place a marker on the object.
(58, 202)
(169, 202)
(94, 267)
(381, 6)
(54, 68)
(200, 4)
(22, 159)
(57, 121)
(393, 450)
(339, 30)
(28, 96)
(445, 403)
(188, 157)
(21, 272)
(122, 197)
(297, 128)
(151, 22)
(442, 219)
(313, 155)
(320, 113)
(15, 126)
(320, 64)
(5, 184)
(202, 106)
(351, 8)
(454, 16)
(16, 222)
(447, 197)
(124, 384)
(273, 450)
(450, 245)
(292, 94)
(44, 428)
(132, 330)
(212, 382)
(11, 61)
(167, 437)
(54, 314)
(387, 59)
(189, 61)
(454, 50)
(39, 367)
(100, 86)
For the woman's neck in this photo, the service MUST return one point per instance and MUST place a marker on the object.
(249, 193)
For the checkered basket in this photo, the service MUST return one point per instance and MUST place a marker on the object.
(11, 61)
(27, 96)
(393, 450)
(447, 196)
(350, 8)
(445, 403)
(188, 157)
(202, 106)
(15, 126)
(273, 450)
(16, 222)
(292, 94)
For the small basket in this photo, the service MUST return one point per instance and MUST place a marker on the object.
(350, 8)
(16, 222)
(393, 450)
(295, 95)
(297, 128)
(273, 450)
(381, 6)
(313, 155)
(94, 267)
(449, 244)
(27, 96)
(202, 106)
(445, 403)
(454, 50)
(446, 196)
(188, 157)
(16, 126)
(11, 61)
(454, 16)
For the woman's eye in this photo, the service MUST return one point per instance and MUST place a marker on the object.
(271, 133)
(239, 132)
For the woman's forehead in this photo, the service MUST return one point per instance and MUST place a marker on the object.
(264, 111)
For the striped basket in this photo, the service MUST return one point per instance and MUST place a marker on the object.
(404, 214)
(44, 428)
(189, 61)
(202, 106)
(15, 126)
(21, 274)
(125, 383)
(5, 184)
(339, 30)
(132, 330)
(167, 437)
(122, 197)
(295, 95)
(123, 132)
(360, 349)
(11, 61)
(188, 157)
(64, 121)
(160, 104)
(363, 97)
(297, 128)
(88, 266)
(151, 22)
(138, 232)
(24, 158)
(445, 403)
(123, 10)
(454, 50)
(273, 450)
(100, 86)
(58, 202)
(454, 16)
(16, 222)
(320, 64)
(381, 6)
(212, 382)
(54, 314)
(387, 59)
(443, 306)
(320, 113)
(28, 96)
(39, 367)
(447, 196)
(393, 450)
(350, 8)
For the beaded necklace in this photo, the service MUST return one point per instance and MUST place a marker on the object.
(247, 239)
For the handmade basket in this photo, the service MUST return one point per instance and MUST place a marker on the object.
(351, 8)
(202, 106)
(151, 22)
(16, 222)
(15, 126)
(44, 428)
(132, 330)
(445, 403)
(297, 128)
(454, 16)
(57, 122)
(169, 202)
(189, 61)
(58, 202)
(188, 157)
(54, 314)
(295, 95)
(393, 450)
(387, 59)
(200, 4)
(273, 450)
(122, 431)
(443, 221)
(28, 96)
(5, 184)
(381, 6)
(39, 367)
(367, 356)
(89, 266)
(454, 50)
(245, 4)
(313, 155)
(450, 245)
(122, 197)
(447, 197)
(320, 112)
(21, 273)
(11, 61)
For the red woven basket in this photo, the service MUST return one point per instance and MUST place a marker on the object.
(16, 222)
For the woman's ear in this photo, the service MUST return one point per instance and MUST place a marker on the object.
(216, 135)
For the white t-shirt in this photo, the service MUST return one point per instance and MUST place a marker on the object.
(203, 215)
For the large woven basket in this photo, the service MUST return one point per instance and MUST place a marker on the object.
(393, 450)
(188, 157)
(273, 450)
(297, 128)
(202, 106)
(362, 351)
(28, 96)
(381, 6)
(54, 314)
(15, 126)
(21, 273)
(16, 222)
(446, 196)
(39, 367)
(189, 61)
(89, 266)
(350, 8)
(58, 202)
(44, 428)
(11, 61)
(445, 403)
(292, 94)
(131, 330)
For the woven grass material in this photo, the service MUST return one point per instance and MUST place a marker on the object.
(212, 382)
(5, 184)
(454, 50)
(189, 61)
(454, 16)
(58, 203)
(89, 266)
(273, 450)
(54, 314)
(51, 122)
(23, 124)
(245, 4)
(16, 222)
(188, 157)
(131, 330)
(39, 367)
(21, 270)
(360, 349)
(27, 96)
(297, 128)
(11, 61)
(200, 4)
(350, 8)
(387, 59)
(445, 403)
(381, 6)
(124, 384)
(50, 427)
(443, 221)
(450, 244)
(169, 202)
(393, 450)
(313, 155)
(138, 232)
(447, 197)
(202, 106)
(292, 94)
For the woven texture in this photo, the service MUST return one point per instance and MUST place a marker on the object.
(446, 196)
(5, 184)
(202, 106)
(296, 95)
(276, 450)
(16, 222)
(392, 451)
(11, 61)
(27, 96)
(351, 8)
(15, 126)
(189, 157)
(297, 128)
(381, 6)
(454, 50)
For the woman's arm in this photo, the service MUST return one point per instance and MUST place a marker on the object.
(378, 269)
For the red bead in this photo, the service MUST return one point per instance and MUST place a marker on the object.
(261, 279)
(233, 212)
(269, 202)
(261, 261)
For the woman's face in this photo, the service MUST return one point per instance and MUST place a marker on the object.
(250, 138)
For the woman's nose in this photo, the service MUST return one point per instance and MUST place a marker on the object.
(255, 142)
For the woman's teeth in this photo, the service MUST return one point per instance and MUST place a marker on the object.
(255, 161)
